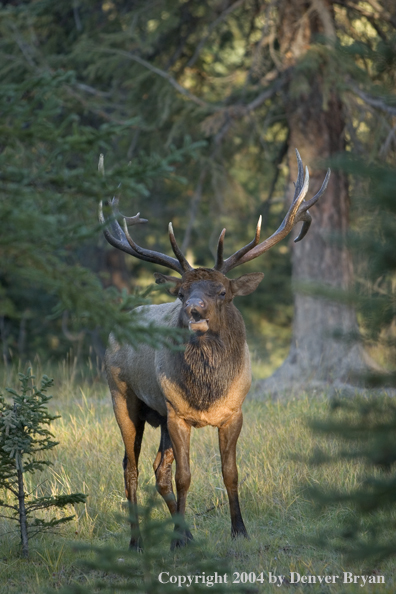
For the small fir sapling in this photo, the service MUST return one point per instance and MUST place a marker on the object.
(24, 434)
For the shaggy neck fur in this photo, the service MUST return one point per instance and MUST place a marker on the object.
(211, 361)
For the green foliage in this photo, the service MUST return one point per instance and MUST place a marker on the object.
(372, 241)
(364, 429)
(49, 195)
(24, 435)
(374, 245)
(74, 91)
(21, 424)
(169, 91)
(277, 512)
(148, 571)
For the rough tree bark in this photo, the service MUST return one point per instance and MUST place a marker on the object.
(316, 357)
(22, 511)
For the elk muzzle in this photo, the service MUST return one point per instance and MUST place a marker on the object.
(196, 312)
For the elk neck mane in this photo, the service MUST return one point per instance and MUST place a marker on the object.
(210, 362)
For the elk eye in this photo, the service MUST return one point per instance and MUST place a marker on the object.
(223, 293)
(181, 296)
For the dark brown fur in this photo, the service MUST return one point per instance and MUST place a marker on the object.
(190, 388)
(211, 361)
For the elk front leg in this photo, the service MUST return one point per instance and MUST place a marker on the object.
(228, 437)
(179, 432)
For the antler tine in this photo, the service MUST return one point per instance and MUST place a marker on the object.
(321, 191)
(297, 201)
(305, 227)
(306, 216)
(300, 176)
(220, 249)
(136, 220)
(233, 260)
(122, 240)
(116, 237)
(115, 226)
(152, 256)
(298, 211)
(177, 251)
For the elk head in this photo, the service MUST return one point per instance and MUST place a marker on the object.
(204, 291)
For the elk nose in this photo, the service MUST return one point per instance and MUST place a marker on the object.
(194, 304)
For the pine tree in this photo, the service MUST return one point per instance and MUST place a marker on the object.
(52, 274)
(135, 79)
(365, 425)
(24, 437)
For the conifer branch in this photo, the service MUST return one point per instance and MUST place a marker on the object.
(268, 92)
(162, 73)
(373, 101)
(13, 507)
(233, 111)
(9, 518)
(23, 47)
(100, 112)
(92, 91)
(7, 505)
(9, 488)
(211, 28)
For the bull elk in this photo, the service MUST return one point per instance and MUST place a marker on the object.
(207, 382)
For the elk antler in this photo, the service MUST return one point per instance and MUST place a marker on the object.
(298, 211)
(121, 239)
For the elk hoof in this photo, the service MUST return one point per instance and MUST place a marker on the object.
(182, 540)
(136, 544)
(241, 531)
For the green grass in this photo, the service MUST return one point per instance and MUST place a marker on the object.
(280, 519)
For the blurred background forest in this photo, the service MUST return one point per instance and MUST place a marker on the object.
(197, 107)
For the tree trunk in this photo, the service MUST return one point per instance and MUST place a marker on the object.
(320, 258)
(22, 512)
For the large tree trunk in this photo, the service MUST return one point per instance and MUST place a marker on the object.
(320, 258)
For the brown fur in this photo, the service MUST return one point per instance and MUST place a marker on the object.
(210, 363)
(204, 384)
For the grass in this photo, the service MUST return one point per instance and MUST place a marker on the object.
(273, 474)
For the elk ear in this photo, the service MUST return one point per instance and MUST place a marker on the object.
(160, 279)
(246, 284)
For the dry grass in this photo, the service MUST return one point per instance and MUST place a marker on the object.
(278, 515)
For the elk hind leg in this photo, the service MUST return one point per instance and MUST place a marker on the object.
(163, 469)
(126, 409)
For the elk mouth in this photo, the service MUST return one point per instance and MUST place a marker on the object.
(198, 324)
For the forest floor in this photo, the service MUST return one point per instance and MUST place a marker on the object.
(274, 471)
